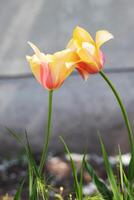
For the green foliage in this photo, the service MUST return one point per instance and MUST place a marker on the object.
(19, 191)
(121, 188)
(77, 185)
(36, 182)
(102, 188)
(114, 186)
(131, 165)
(58, 197)
(94, 197)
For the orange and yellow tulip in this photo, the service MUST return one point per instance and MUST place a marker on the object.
(52, 70)
(91, 59)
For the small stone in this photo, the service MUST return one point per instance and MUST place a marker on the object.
(86, 177)
(58, 167)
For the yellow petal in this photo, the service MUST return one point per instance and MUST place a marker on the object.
(36, 50)
(66, 55)
(85, 56)
(89, 47)
(81, 35)
(48, 58)
(35, 66)
(70, 64)
(58, 67)
(102, 37)
(72, 44)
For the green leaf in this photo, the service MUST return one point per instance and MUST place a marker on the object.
(102, 188)
(32, 166)
(16, 136)
(19, 191)
(32, 170)
(111, 177)
(131, 168)
(77, 186)
(31, 160)
(121, 170)
(94, 197)
(81, 176)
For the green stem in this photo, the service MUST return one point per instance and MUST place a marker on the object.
(124, 113)
(48, 134)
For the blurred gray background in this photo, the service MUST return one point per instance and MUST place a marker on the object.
(80, 108)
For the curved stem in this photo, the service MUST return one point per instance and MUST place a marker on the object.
(124, 113)
(48, 134)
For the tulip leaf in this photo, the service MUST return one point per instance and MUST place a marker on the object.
(102, 188)
(131, 168)
(110, 174)
(77, 185)
(19, 191)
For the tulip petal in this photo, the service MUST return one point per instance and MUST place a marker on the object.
(85, 56)
(70, 64)
(52, 70)
(35, 49)
(35, 66)
(46, 76)
(102, 58)
(88, 67)
(83, 73)
(81, 35)
(89, 47)
(59, 69)
(72, 44)
(102, 37)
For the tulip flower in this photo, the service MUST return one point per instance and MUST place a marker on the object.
(91, 59)
(52, 70)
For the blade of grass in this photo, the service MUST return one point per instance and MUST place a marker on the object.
(38, 178)
(33, 170)
(32, 166)
(121, 171)
(81, 176)
(30, 176)
(111, 178)
(102, 188)
(16, 136)
(31, 159)
(19, 191)
(127, 188)
(74, 171)
(131, 168)
(94, 197)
